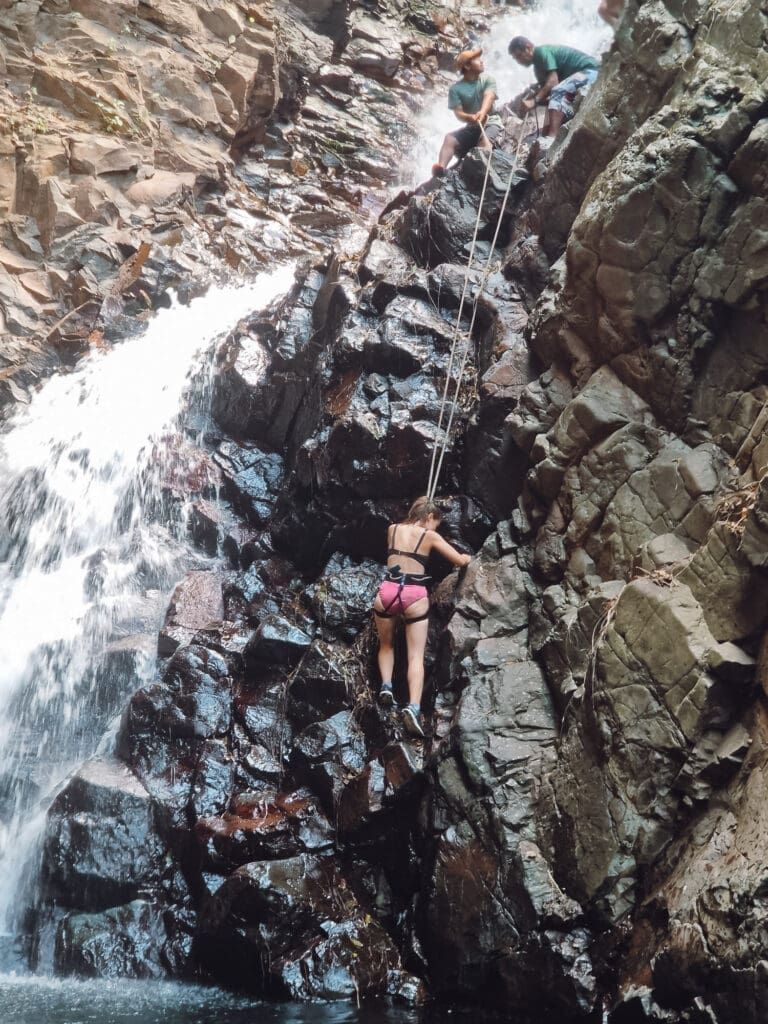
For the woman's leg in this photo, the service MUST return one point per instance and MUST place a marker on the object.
(416, 639)
(386, 631)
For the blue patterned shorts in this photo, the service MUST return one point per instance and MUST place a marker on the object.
(562, 96)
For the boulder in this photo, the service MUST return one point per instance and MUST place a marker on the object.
(342, 597)
(100, 846)
(263, 827)
(195, 603)
(293, 927)
(193, 701)
(325, 755)
(439, 228)
(278, 641)
(129, 941)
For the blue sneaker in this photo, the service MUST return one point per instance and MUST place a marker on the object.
(386, 700)
(412, 720)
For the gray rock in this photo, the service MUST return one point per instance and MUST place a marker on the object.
(293, 927)
(100, 846)
(342, 596)
(122, 942)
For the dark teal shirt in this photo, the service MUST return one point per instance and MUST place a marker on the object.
(469, 96)
(563, 59)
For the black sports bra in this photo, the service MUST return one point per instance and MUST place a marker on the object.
(421, 559)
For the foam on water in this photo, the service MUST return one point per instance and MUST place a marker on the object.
(31, 999)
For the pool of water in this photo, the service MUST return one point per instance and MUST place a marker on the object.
(35, 1000)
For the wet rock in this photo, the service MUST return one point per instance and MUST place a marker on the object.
(323, 684)
(262, 375)
(545, 820)
(263, 827)
(100, 846)
(257, 764)
(294, 928)
(342, 597)
(252, 480)
(349, 955)
(401, 768)
(196, 603)
(193, 701)
(213, 781)
(278, 641)
(362, 798)
(243, 545)
(327, 754)
(128, 941)
(387, 263)
(439, 228)
(248, 596)
(207, 525)
(165, 768)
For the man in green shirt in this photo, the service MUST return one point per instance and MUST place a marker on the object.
(472, 101)
(561, 72)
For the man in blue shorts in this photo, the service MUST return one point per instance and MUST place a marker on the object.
(472, 101)
(561, 72)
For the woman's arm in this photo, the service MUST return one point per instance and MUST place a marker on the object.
(441, 545)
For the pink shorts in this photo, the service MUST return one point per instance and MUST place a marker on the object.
(396, 605)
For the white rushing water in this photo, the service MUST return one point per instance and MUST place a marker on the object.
(94, 475)
(563, 22)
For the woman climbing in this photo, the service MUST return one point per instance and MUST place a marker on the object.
(404, 595)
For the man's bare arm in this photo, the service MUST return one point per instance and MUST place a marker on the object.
(541, 95)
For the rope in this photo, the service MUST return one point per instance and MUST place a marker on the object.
(457, 328)
(436, 466)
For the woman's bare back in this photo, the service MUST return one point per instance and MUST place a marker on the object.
(412, 537)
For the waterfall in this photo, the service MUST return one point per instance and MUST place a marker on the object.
(95, 472)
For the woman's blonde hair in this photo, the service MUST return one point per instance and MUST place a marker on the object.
(421, 508)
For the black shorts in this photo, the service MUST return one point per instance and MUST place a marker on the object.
(469, 136)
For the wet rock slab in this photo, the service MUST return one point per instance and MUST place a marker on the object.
(196, 602)
(263, 826)
(129, 941)
(293, 927)
(100, 846)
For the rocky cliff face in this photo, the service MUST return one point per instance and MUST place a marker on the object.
(581, 831)
(216, 135)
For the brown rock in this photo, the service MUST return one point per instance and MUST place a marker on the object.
(196, 602)
(160, 187)
(221, 19)
(56, 216)
(102, 156)
(15, 263)
(38, 284)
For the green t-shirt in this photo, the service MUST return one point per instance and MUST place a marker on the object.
(563, 59)
(469, 96)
